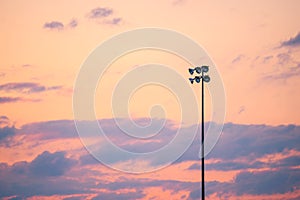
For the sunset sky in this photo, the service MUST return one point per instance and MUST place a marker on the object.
(255, 46)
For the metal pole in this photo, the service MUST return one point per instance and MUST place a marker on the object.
(202, 139)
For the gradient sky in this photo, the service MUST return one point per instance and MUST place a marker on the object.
(255, 46)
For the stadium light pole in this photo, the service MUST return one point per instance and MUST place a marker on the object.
(201, 77)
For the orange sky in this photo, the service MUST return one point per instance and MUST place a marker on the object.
(249, 31)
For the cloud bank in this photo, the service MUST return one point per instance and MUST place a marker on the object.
(265, 160)
(292, 42)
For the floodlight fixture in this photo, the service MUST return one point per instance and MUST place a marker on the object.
(206, 78)
(198, 70)
(205, 68)
(191, 71)
(191, 80)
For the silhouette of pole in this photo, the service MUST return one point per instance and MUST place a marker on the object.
(202, 140)
(197, 79)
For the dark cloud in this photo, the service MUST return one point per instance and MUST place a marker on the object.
(239, 148)
(54, 25)
(228, 165)
(23, 186)
(50, 164)
(251, 164)
(75, 198)
(211, 188)
(73, 23)
(291, 161)
(104, 16)
(26, 87)
(118, 196)
(7, 132)
(10, 99)
(293, 41)
(43, 176)
(99, 12)
(67, 129)
(254, 141)
(3, 117)
(142, 183)
(266, 182)
(195, 194)
(237, 141)
(195, 166)
(16, 198)
(4, 121)
(88, 159)
(57, 129)
(19, 180)
(47, 173)
(44, 165)
(4, 100)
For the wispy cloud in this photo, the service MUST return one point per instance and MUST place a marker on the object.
(26, 87)
(54, 25)
(3, 117)
(57, 25)
(241, 110)
(238, 59)
(9, 99)
(73, 23)
(27, 65)
(284, 58)
(285, 75)
(266, 59)
(100, 12)
(4, 100)
(281, 65)
(104, 16)
(23, 88)
(114, 21)
(4, 121)
(292, 42)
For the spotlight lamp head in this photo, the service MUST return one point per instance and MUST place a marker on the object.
(198, 70)
(205, 68)
(191, 71)
(206, 78)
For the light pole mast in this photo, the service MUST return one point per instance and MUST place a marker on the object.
(204, 78)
